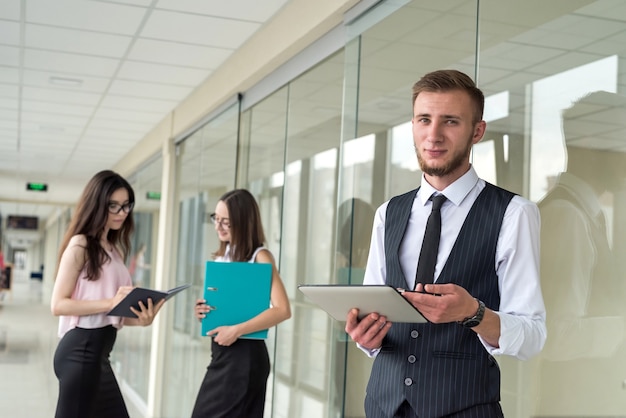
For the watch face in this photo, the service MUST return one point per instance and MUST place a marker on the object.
(471, 323)
(475, 320)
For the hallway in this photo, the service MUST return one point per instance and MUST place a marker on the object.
(28, 338)
(28, 386)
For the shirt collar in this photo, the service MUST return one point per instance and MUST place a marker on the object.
(455, 192)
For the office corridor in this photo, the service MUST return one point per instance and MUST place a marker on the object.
(28, 387)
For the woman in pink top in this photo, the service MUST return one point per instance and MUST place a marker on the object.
(91, 279)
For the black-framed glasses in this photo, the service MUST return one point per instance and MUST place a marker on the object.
(116, 208)
(224, 222)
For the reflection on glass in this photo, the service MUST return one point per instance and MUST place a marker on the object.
(580, 374)
(549, 96)
(305, 210)
(133, 349)
(205, 171)
(483, 158)
(403, 167)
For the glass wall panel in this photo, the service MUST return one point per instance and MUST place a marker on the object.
(294, 178)
(132, 349)
(324, 151)
(558, 139)
(314, 129)
(262, 171)
(206, 165)
(532, 67)
(392, 49)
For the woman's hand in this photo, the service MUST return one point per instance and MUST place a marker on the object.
(146, 314)
(201, 309)
(121, 294)
(225, 335)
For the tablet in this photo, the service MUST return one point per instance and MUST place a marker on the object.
(337, 300)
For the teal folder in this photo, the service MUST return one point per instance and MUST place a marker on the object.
(237, 291)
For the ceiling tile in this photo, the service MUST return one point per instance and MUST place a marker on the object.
(176, 53)
(8, 125)
(45, 79)
(101, 132)
(53, 122)
(45, 147)
(70, 132)
(76, 41)
(9, 56)
(88, 15)
(125, 115)
(115, 143)
(8, 114)
(149, 90)
(8, 142)
(143, 105)
(158, 73)
(7, 91)
(142, 3)
(125, 126)
(98, 151)
(59, 96)
(194, 29)
(71, 64)
(56, 132)
(94, 160)
(10, 9)
(9, 75)
(36, 162)
(251, 10)
(9, 32)
(6, 103)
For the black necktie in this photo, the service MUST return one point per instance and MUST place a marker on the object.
(430, 246)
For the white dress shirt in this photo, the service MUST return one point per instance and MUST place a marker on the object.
(522, 311)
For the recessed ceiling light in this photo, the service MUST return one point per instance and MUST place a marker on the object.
(66, 81)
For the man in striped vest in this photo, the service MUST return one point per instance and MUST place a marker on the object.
(480, 294)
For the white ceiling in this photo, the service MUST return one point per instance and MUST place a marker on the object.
(83, 81)
(136, 60)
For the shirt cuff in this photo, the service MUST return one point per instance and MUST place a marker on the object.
(370, 353)
(520, 337)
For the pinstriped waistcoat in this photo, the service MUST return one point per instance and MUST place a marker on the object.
(442, 368)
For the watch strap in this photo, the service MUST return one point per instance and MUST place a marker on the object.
(472, 321)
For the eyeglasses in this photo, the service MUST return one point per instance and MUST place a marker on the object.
(224, 222)
(116, 208)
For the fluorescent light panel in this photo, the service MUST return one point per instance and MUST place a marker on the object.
(66, 81)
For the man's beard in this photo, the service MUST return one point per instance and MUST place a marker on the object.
(457, 161)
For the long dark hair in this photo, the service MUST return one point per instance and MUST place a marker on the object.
(90, 218)
(246, 229)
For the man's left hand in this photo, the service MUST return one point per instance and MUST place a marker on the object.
(442, 303)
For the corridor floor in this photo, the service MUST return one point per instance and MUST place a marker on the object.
(28, 387)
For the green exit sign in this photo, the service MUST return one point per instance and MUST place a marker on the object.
(37, 187)
(153, 195)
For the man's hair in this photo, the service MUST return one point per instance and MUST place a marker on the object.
(449, 80)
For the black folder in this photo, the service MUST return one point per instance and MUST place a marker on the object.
(142, 294)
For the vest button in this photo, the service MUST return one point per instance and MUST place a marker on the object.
(411, 358)
(408, 381)
(414, 334)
